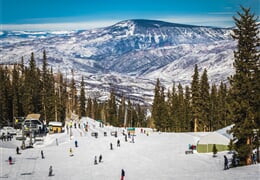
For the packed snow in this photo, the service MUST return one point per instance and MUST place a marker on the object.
(152, 156)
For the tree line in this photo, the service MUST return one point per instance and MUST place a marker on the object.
(202, 107)
(30, 89)
(196, 108)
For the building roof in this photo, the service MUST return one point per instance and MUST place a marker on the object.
(33, 116)
(55, 123)
(214, 138)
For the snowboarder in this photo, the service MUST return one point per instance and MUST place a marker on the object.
(95, 160)
(100, 158)
(42, 154)
(10, 160)
(17, 150)
(118, 143)
(76, 143)
(50, 171)
(122, 174)
(111, 146)
(225, 162)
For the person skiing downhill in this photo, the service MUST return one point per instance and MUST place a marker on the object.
(118, 143)
(95, 160)
(10, 160)
(50, 171)
(122, 174)
(100, 158)
(71, 153)
(42, 154)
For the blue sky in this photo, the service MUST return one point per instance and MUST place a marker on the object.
(82, 14)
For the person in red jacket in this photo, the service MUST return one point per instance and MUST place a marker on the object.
(122, 174)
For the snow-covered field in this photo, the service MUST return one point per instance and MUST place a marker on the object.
(159, 156)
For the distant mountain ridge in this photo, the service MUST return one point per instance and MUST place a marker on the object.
(141, 50)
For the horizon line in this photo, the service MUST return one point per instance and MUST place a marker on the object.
(86, 25)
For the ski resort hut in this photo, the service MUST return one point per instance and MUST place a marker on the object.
(55, 127)
(206, 142)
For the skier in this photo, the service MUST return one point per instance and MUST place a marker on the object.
(225, 162)
(50, 171)
(122, 174)
(17, 150)
(95, 160)
(57, 143)
(100, 158)
(76, 143)
(254, 158)
(10, 160)
(133, 140)
(111, 146)
(42, 154)
(71, 153)
(118, 143)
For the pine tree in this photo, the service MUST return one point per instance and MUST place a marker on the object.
(188, 112)
(214, 118)
(82, 99)
(205, 101)
(180, 109)
(156, 106)
(89, 107)
(195, 94)
(244, 90)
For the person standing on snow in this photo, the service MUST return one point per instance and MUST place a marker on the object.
(100, 158)
(42, 154)
(71, 153)
(10, 160)
(122, 174)
(76, 143)
(50, 171)
(118, 143)
(17, 150)
(225, 162)
(95, 160)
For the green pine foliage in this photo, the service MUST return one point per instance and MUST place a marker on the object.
(245, 84)
(204, 101)
(82, 99)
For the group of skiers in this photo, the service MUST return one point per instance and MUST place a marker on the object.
(99, 159)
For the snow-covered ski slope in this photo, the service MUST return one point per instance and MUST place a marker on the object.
(159, 156)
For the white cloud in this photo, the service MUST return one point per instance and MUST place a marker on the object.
(218, 21)
(57, 26)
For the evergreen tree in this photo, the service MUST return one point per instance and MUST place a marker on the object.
(195, 94)
(244, 90)
(214, 117)
(180, 109)
(156, 106)
(82, 99)
(112, 109)
(205, 101)
(187, 108)
(89, 107)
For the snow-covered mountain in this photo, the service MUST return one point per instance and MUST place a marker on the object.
(129, 55)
